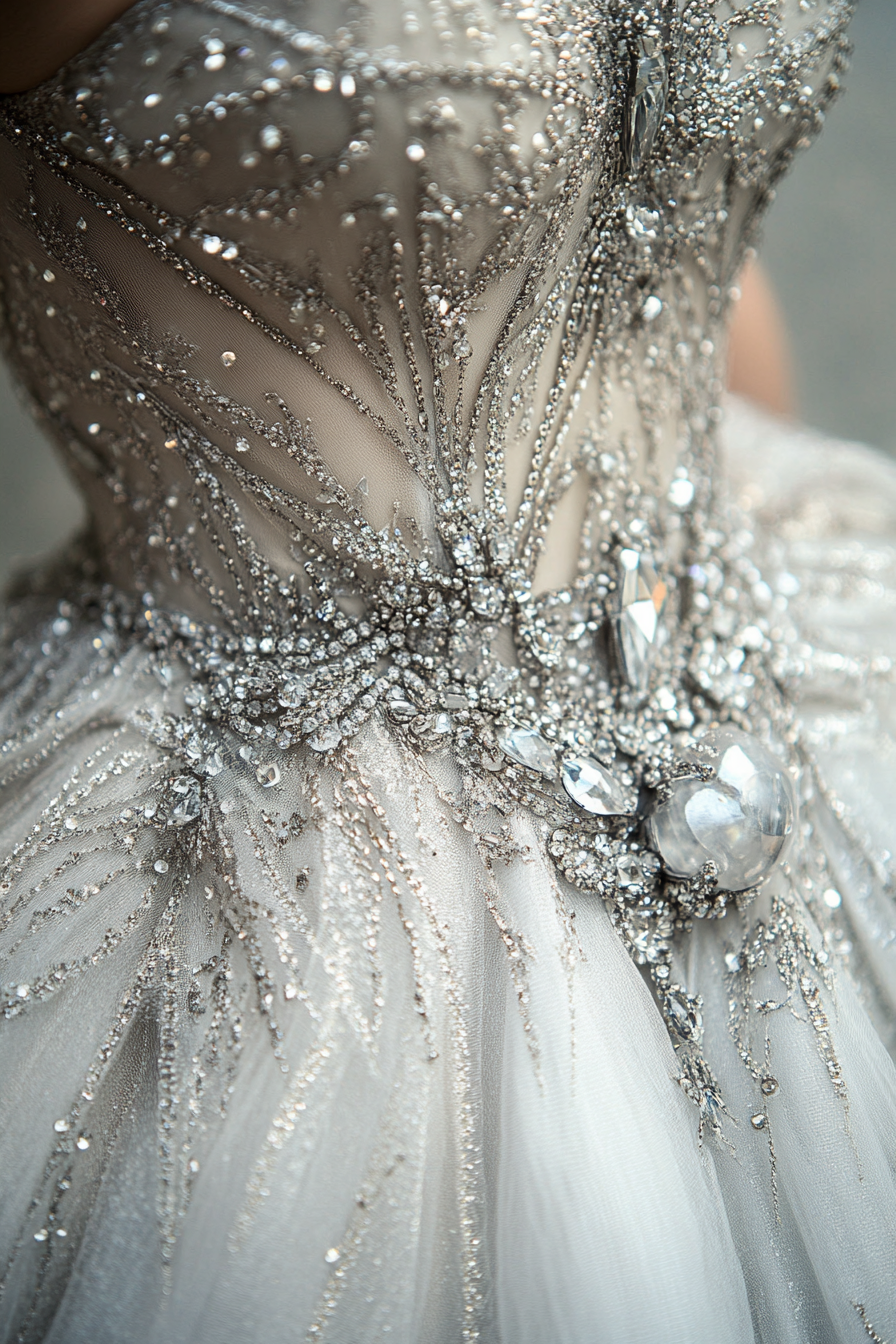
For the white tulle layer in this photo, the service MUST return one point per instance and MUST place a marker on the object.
(457, 1115)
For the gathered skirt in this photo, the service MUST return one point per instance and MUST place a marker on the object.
(319, 1048)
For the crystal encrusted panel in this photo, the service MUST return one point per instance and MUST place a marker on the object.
(425, 425)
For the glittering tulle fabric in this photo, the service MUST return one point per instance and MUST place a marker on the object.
(446, 798)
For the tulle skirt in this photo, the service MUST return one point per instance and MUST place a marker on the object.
(309, 1049)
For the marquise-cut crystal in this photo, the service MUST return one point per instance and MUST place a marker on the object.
(642, 600)
(528, 748)
(741, 819)
(683, 1014)
(594, 788)
(647, 100)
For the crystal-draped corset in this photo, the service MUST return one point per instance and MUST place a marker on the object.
(389, 344)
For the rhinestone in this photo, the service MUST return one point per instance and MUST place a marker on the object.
(498, 683)
(485, 598)
(465, 551)
(527, 748)
(326, 739)
(681, 493)
(401, 710)
(642, 600)
(758, 1121)
(188, 808)
(502, 549)
(268, 774)
(647, 100)
(683, 1015)
(594, 789)
(636, 872)
(293, 692)
(741, 819)
(768, 1086)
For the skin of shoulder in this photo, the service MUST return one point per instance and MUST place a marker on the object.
(759, 357)
(38, 36)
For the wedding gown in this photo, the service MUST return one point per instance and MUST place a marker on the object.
(448, 792)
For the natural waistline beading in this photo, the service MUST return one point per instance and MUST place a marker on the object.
(624, 731)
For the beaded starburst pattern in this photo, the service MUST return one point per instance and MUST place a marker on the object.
(418, 430)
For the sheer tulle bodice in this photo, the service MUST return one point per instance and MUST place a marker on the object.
(405, 285)
(387, 345)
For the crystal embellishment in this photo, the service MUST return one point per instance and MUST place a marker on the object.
(527, 748)
(637, 628)
(636, 872)
(740, 820)
(647, 99)
(594, 789)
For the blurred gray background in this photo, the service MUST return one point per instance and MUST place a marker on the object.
(828, 247)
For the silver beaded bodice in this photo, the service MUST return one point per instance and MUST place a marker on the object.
(387, 345)
(424, 306)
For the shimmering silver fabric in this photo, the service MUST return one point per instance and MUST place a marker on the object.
(344, 994)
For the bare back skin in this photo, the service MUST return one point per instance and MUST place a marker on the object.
(38, 37)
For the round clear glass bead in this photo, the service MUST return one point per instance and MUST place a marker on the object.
(741, 819)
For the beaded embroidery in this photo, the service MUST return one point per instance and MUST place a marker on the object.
(516, 325)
